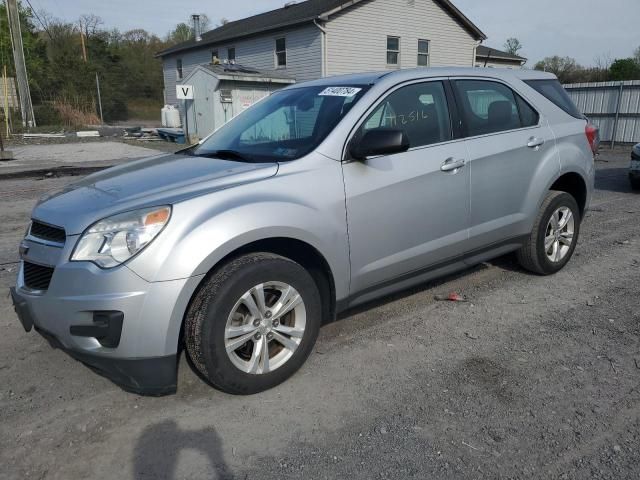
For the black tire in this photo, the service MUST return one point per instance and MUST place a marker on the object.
(532, 255)
(207, 317)
(635, 183)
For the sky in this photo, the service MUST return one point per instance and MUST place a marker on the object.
(582, 29)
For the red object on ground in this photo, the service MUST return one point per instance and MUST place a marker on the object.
(452, 297)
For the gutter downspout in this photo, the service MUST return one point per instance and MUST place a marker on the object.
(323, 47)
(475, 52)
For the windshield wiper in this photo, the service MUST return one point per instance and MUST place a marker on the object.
(227, 155)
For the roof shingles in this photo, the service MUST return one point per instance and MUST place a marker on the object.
(294, 14)
(485, 52)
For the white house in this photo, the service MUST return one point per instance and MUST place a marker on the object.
(317, 38)
(493, 58)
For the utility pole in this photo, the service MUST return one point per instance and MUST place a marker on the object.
(28, 119)
(99, 98)
(84, 47)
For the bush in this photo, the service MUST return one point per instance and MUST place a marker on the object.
(75, 115)
(115, 109)
(47, 115)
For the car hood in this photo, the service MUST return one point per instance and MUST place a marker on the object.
(159, 180)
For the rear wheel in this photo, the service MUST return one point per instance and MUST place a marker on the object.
(253, 323)
(555, 234)
(635, 183)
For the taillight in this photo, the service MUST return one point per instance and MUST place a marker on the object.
(593, 137)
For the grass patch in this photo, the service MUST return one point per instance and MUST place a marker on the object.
(144, 109)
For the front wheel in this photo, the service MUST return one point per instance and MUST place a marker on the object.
(554, 237)
(253, 323)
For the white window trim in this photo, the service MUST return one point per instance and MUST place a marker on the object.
(428, 54)
(235, 52)
(275, 53)
(393, 65)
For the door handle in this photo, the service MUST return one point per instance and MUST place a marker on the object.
(535, 142)
(451, 165)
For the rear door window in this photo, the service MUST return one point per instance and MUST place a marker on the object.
(553, 91)
(491, 107)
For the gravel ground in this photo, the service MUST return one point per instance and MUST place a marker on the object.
(533, 378)
(41, 154)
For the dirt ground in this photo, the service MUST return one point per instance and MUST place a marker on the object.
(533, 378)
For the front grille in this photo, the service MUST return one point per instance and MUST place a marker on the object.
(37, 277)
(47, 232)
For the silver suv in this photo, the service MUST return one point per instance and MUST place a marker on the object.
(320, 197)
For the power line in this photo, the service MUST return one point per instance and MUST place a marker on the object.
(39, 19)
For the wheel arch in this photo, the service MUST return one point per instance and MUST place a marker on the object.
(294, 249)
(575, 185)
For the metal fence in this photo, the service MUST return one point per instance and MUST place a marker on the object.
(612, 106)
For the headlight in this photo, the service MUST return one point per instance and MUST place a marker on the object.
(114, 240)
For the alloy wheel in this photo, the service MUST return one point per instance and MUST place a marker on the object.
(559, 234)
(265, 327)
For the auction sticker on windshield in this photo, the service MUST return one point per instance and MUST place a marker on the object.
(339, 92)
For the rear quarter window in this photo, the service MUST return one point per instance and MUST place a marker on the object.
(553, 91)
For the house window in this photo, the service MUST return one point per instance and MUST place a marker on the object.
(231, 54)
(215, 57)
(179, 68)
(393, 50)
(281, 52)
(423, 53)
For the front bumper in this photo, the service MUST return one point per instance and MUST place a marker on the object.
(142, 357)
(143, 376)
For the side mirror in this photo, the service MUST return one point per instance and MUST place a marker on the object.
(381, 141)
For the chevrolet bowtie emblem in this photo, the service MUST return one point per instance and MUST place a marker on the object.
(23, 250)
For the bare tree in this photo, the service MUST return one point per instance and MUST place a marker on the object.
(603, 62)
(512, 46)
(90, 24)
(565, 68)
(137, 35)
(205, 23)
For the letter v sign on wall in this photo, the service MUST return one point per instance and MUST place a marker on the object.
(184, 92)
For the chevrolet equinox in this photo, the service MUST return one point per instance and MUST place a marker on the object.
(320, 197)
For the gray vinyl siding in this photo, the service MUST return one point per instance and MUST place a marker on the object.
(304, 56)
(357, 36)
(190, 60)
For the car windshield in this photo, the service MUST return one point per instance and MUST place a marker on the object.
(284, 126)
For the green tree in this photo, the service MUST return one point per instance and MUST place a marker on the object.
(182, 33)
(565, 68)
(625, 69)
(184, 30)
(34, 48)
(125, 62)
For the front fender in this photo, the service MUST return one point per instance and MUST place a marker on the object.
(204, 230)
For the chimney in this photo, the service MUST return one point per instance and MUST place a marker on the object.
(196, 27)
